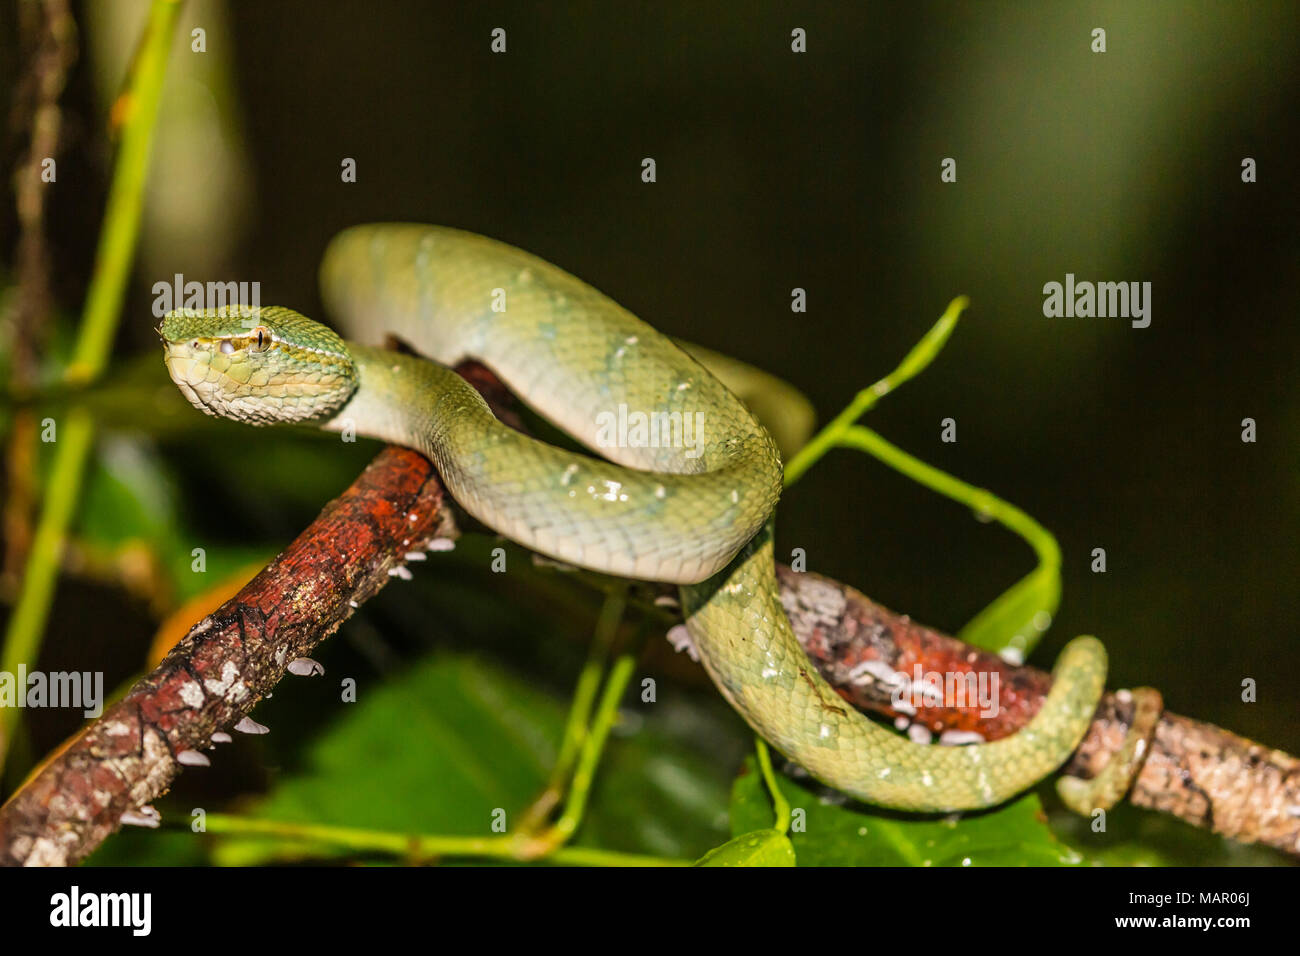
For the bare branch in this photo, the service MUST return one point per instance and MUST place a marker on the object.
(1198, 772)
(229, 661)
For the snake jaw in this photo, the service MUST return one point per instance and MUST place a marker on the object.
(180, 375)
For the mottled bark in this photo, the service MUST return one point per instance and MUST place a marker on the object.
(229, 661)
(1200, 773)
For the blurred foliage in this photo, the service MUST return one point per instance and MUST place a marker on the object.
(199, 203)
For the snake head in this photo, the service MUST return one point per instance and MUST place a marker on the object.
(255, 365)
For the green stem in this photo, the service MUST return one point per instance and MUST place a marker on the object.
(982, 501)
(1015, 619)
(23, 638)
(117, 241)
(585, 772)
(423, 847)
(921, 355)
(90, 354)
(548, 845)
(780, 805)
(584, 697)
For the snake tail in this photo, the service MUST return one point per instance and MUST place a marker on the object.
(1108, 788)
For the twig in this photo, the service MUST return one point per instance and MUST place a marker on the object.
(419, 848)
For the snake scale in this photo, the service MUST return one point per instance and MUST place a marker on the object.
(696, 513)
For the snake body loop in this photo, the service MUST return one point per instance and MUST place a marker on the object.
(685, 492)
(1115, 778)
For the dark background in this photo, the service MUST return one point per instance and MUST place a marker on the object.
(822, 171)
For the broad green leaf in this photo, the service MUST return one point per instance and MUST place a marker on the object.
(448, 748)
(456, 743)
(137, 846)
(828, 832)
(759, 848)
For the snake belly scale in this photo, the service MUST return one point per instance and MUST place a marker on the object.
(695, 510)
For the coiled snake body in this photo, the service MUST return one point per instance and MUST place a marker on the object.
(690, 503)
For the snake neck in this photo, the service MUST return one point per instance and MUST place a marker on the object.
(402, 399)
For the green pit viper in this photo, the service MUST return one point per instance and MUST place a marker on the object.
(697, 513)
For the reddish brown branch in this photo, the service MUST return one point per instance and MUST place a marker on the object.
(235, 657)
(1200, 773)
(227, 663)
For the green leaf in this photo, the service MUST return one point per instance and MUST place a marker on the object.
(759, 848)
(827, 832)
(140, 846)
(455, 742)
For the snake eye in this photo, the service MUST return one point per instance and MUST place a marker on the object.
(260, 339)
